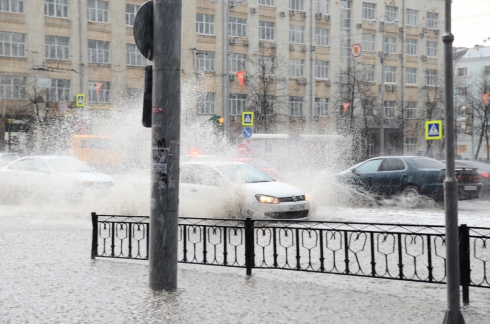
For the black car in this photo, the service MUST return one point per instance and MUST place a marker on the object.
(483, 170)
(410, 176)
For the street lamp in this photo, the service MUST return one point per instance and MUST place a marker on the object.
(384, 55)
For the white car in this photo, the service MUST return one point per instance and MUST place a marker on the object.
(58, 177)
(238, 189)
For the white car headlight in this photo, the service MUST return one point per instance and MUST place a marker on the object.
(267, 199)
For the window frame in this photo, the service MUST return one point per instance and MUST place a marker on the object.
(266, 30)
(104, 95)
(389, 107)
(431, 49)
(16, 87)
(431, 75)
(15, 48)
(297, 5)
(412, 17)
(237, 62)
(206, 102)
(134, 56)
(99, 51)
(205, 61)
(97, 14)
(296, 34)
(411, 110)
(368, 11)
(18, 10)
(432, 18)
(409, 75)
(411, 45)
(321, 107)
(59, 90)
(295, 106)
(236, 102)
(390, 74)
(131, 15)
(296, 67)
(322, 68)
(369, 73)
(322, 6)
(204, 26)
(321, 36)
(237, 27)
(59, 8)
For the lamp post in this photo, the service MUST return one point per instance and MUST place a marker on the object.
(226, 85)
(384, 55)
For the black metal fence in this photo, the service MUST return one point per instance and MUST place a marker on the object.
(389, 251)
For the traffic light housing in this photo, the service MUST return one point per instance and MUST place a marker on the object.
(147, 96)
(468, 119)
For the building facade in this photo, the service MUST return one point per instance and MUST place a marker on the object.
(301, 76)
(471, 85)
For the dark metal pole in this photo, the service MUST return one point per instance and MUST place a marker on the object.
(453, 313)
(94, 234)
(167, 33)
(249, 245)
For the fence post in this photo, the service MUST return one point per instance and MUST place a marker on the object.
(464, 261)
(249, 245)
(95, 220)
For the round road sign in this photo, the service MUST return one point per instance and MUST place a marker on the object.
(243, 149)
(143, 30)
(356, 50)
(63, 106)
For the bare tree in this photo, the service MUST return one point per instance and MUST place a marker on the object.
(263, 89)
(360, 118)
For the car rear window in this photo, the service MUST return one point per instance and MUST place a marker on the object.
(427, 163)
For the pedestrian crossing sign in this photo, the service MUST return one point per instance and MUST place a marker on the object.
(247, 118)
(433, 129)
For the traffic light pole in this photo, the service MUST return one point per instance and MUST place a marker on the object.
(167, 33)
(453, 312)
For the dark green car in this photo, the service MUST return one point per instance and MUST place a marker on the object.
(409, 176)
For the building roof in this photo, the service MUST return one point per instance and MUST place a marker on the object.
(477, 52)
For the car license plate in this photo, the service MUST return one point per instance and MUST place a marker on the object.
(297, 207)
(469, 187)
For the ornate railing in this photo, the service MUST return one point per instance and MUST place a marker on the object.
(389, 251)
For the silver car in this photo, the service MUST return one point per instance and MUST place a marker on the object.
(58, 177)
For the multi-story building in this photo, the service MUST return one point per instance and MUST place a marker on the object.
(471, 86)
(301, 75)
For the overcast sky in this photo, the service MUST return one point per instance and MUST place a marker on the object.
(470, 22)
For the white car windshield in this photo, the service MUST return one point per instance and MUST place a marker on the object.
(68, 165)
(243, 173)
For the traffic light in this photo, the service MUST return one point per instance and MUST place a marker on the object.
(217, 120)
(467, 119)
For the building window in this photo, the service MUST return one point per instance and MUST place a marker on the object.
(411, 46)
(462, 91)
(134, 57)
(432, 20)
(412, 17)
(368, 42)
(321, 70)
(321, 36)
(321, 107)
(205, 103)
(391, 13)
(98, 51)
(237, 27)
(431, 49)
(410, 144)
(368, 11)
(269, 3)
(59, 91)
(411, 110)
(12, 87)
(204, 24)
(101, 93)
(205, 61)
(296, 4)
(296, 106)
(56, 8)
(296, 34)
(237, 62)
(57, 47)
(98, 11)
(12, 44)
(368, 72)
(367, 106)
(462, 71)
(266, 30)
(321, 6)
(390, 45)
(131, 10)
(390, 109)
(296, 67)
(16, 6)
(390, 74)
(266, 65)
(237, 103)
(410, 75)
(431, 77)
